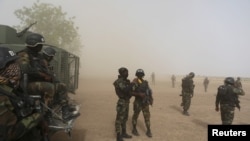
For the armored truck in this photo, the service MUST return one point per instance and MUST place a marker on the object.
(65, 64)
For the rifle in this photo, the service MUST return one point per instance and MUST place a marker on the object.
(21, 33)
(144, 88)
(148, 99)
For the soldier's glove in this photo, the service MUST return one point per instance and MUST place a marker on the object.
(217, 109)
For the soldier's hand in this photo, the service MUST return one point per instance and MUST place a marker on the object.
(142, 95)
(217, 109)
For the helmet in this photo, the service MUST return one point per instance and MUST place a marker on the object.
(34, 39)
(6, 56)
(122, 70)
(229, 80)
(49, 51)
(139, 73)
(191, 74)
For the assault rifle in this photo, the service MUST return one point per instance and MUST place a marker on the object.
(144, 88)
(148, 99)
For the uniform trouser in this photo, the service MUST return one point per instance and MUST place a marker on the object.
(227, 114)
(61, 93)
(186, 100)
(138, 107)
(45, 89)
(122, 109)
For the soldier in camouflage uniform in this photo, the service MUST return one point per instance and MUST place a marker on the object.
(122, 89)
(38, 81)
(143, 98)
(61, 92)
(187, 92)
(17, 116)
(238, 85)
(227, 100)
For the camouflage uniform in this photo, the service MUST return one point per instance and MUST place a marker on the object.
(227, 100)
(142, 101)
(14, 123)
(238, 85)
(187, 92)
(122, 89)
(37, 80)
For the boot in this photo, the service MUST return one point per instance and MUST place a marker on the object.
(69, 113)
(185, 113)
(119, 137)
(134, 131)
(125, 135)
(148, 133)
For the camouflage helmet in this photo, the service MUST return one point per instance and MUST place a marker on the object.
(34, 39)
(122, 70)
(6, 56)
(139, 73)
(49, 51)
(191, 74)
(229, 80)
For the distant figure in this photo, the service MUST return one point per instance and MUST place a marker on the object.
(227, 100)
(205, 83)
(153, 78)
(173, 79)
(238, 85)
(187, 92)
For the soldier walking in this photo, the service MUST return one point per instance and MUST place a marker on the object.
(187, 92)
(227, 100)
(205, 83)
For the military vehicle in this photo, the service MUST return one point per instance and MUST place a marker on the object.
(65, 66)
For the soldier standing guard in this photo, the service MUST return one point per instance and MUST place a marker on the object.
(143, 98)
(122, 89)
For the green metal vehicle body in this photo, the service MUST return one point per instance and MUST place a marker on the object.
(65, 64)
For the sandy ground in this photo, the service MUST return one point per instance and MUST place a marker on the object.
(98, 101)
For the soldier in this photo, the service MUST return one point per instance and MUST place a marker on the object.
(61, 92)
(205, 83)
(227, 100)
(38, 82)
(29, 62)
(17, 115)
(173, 79)
(153, 78)
(143, 98)
(238, 85)
(122, 89)
(187, 92)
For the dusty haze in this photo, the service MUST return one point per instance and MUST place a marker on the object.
(163, 36)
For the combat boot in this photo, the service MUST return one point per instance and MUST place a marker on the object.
(185, 113)
(148, 133)
(124, 134)
(119, 137)
(134, 131)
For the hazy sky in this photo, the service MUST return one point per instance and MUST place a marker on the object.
(208, 37)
